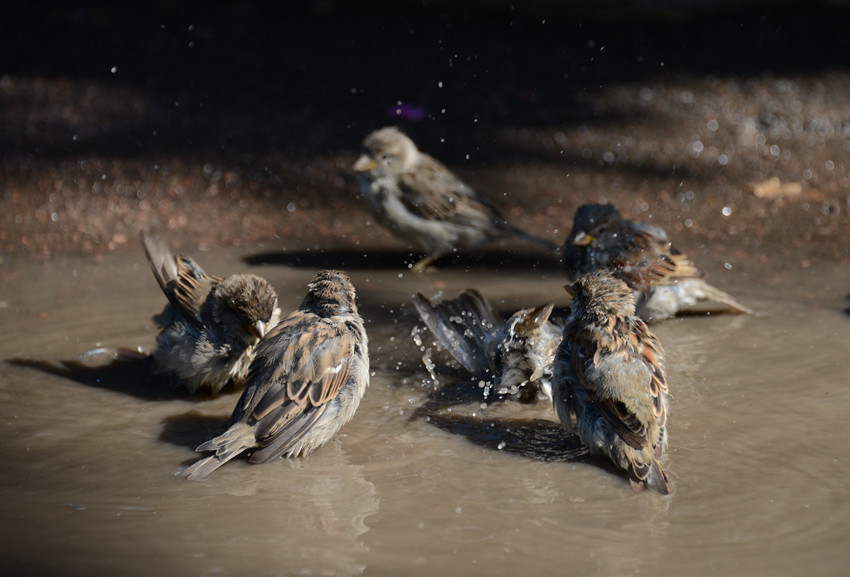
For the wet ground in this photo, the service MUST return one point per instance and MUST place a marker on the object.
(729, 129)
(416, 484)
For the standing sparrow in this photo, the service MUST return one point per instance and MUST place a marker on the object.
(420, 201)
(305, 382)
(210, 326)
(516, 357)
(609, 378)
(665, 281)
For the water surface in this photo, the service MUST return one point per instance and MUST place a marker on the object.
(415, 485)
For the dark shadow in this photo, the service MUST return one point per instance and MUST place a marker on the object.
(131, 374)
(536, 439)
(192, 428)
(389, 260)
(313, 77)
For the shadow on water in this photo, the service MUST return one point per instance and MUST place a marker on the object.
(537, 439)
(192, 428)
(388, 260)
(130, 374)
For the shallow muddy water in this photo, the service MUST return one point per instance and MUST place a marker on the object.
(415, 486)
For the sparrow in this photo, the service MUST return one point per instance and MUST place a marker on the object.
(664, 280)
(211, 325)
(305, 382)
(421, 202)
(608, 382)
(514, 357)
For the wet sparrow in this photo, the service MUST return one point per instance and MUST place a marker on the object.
(665, 281)
(210, 326)
(305, 382)
(420, 201)
(609, 378)
(516, 357)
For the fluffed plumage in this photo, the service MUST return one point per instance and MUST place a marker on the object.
(210, 326)
(609, 382)
(665, 281)
(514, 356)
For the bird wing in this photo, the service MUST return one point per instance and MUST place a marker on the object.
(181, 279)
(651, 259)
(465, 326)
(192, 287)
(637, 358)
(434, 193)
(284, 398)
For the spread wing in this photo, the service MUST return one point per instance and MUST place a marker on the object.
(181, 279)
(286, 396)
(465, 326)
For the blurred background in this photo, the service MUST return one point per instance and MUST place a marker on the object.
(184, 114)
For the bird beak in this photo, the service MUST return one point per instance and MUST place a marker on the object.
(583, 239)
(364, 164)
(571, 290)
(258, 329)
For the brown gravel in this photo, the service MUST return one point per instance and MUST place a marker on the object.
(88, 161)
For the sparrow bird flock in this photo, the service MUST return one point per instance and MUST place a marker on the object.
(305, 374)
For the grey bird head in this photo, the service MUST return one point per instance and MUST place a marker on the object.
(597, 229)
(386, 152)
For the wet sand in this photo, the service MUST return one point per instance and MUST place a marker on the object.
(243, 165)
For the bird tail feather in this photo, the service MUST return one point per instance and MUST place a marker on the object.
(228, 445)
(721, 297)
(518, 232)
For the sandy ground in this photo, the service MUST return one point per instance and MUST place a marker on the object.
(731, 129)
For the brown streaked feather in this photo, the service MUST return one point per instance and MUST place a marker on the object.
(182, 280)
(313, 382)
(434, 193)
(192, 287)
(619, 418)
(648, 258)
(531, 319)
(284, 433)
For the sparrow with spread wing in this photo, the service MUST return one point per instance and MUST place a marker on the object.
(210, 326)
(515, 357)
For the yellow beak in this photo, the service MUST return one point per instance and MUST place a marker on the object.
(364, 164)
(571, 290)
(583, 239)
